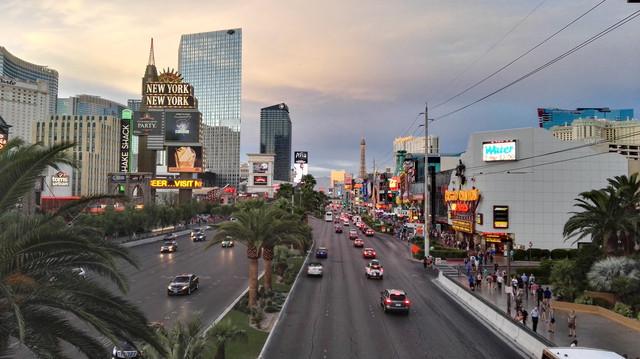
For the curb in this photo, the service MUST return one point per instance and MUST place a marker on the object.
(228, 308)
(284, 306)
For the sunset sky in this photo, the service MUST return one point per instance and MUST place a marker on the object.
(348, 69)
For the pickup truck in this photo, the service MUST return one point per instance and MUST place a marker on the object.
(374, 270)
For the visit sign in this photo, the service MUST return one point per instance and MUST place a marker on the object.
(499, 151)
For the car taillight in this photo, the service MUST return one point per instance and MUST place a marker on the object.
(381, 270)
(388, 301)
(407, 302)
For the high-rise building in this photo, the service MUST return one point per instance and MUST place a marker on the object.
(212, 63)
(96, 151)
(549, 117)
(415, 145)
(275, 138)
(18, 69)
(134, 104)
(363, 161)
(88, 105)
(22, 104)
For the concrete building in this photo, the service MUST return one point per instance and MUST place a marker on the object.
(89, 105)
(260, 179)
(212, 63)
(520, 186)
(18, 69)
(415, 145)
(337, 177)
(96, 151)
(275, 137)
(244, 171)
(22, 104)
(549, 117)
(623, 137)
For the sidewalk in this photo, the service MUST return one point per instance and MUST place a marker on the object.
(592, 330)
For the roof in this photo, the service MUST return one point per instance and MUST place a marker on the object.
(583, 353)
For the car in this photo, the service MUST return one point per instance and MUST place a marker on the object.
(314, 269)
(369, 253)
(183, 284)
(358, 243)
(169, 247)
(345, 223)
(374, 269)
(171, 237)
(200, 237)
(394, 300)
(125, 350)
(369, 232)
(322, 252)
(360, 225)
(353, 234)
(338, 229)
(227, 243)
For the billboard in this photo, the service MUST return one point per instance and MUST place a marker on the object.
(168, 95)
(301, 156)
(178, 183)
(301, 169)
(184, 159)
(260, 180)
(182, 126)
(60, 179)
(147, 123)
(123, 162)
(499, 151)
(260, 167)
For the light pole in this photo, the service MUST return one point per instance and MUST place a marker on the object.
(427, 179)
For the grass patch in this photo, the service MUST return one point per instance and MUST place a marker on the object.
(281, 287)
(244, 350)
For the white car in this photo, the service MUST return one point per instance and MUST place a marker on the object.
(314, 269)
(374, 269)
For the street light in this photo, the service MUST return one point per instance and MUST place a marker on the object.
(427, 210)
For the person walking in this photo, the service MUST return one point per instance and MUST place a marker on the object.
(471, 282)
(499, 279)
(539, 295)
(479, 280)
(534, 319)
(524, 317)
(547, 296)
(571, 322)
(552, 319)
(424, 262)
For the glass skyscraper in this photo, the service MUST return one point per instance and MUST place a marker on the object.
(16, 68)
(88, 105)
(212, 63)
(275, 137)
(549, 117)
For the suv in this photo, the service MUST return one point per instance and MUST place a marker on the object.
(125, 350)
(169, 246)
(374, 270)
(394, 300)
(369, 232)
(314, 269)
(353, 234)
(183, 284)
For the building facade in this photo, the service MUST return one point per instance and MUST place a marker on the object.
(549, 117)
(88, 105)
(96, 151)
(212, 63)
(622, 137)
(22, 104)
(260, 180)
(275, 137)
(412, 144)
(519, 186)
(18, 69)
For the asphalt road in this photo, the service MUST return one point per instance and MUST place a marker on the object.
(339, 316)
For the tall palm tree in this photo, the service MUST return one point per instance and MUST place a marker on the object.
(627, 189)
(42, 303)
(223, 333)
(183, 341)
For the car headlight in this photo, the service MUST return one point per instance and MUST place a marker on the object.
(169, 287)
(185, 287)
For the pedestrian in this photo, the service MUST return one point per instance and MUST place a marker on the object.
(539, 294)
(534, 318)
(532, 278)
(525, 283)
(491, 257)
(495, 267)
(543, 313)
(571, 322)
(471, 283)
(424, 262)
(500, 279)
(479, 280)
(524, 317)
(552, 319)
(547, 296)
(489, 280)
(514, 283)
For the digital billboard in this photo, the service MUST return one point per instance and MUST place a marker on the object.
(499, 151)
(301, 169)
(260, 167)
(301, 156)
(182, 126)
(171, 183)
(260, 180)
(184, 159)
(147, 123)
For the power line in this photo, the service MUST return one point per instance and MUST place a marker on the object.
(489, 49)
(549, 63)
(519, 57)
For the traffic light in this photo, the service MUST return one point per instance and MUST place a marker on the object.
(121, 188)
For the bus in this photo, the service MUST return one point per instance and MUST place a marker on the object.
(328, 216)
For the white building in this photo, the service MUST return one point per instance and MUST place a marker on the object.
(413, 144)
(260, 178)
(22, 104)
(527, 182)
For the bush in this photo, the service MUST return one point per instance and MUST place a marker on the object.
(621, 271)
(563, 279)
(519, 255)
(584, 299)
(243, 305)
(293, 267)
(271, 309)
(545, 254)
(623, 309)
(449, 253)
(572, 253)
(559, 253)
(534, 254)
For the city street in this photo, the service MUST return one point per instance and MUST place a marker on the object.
(339, 316)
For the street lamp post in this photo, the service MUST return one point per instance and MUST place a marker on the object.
(427, 222)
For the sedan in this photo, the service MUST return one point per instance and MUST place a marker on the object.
(353, 234)
(369, 253)
(322, 252)
(169, 247)
(227, 244)
(369, 232)
(199, 237)
(314, 270)
(183, 284)
(338, 229)
(358, 243)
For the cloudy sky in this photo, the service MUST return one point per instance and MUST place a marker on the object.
(348, 69)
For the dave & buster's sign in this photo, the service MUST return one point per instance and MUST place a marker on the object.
(168, 95)
(168, 183)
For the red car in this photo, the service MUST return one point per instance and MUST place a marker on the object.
(369, 253)
(358, 243)
(353, 234)
(369, 232)
(338, 229)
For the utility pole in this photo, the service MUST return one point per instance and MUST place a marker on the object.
(427, 222)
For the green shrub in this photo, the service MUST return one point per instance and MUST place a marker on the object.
(545, 254)
(572, 253)
(535, 254)
(243, 305)
(564, 280)
(541, 273)
(293, 267)
(559, 253)
(623, 309)
(584, 299)
(519, 255)
(271, 309)
(449, 253)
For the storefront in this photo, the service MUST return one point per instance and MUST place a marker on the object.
(496, 241)
(462, 206)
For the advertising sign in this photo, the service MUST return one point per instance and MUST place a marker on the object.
(168, 95)
(147, 123)
(301, 156)
(60, 179)
(500, 216)
(499, 151)
(123, 163)
(301, 169)
(182, 126)
(171, 183)
(260, 180)
(184, 159)
(260, 167)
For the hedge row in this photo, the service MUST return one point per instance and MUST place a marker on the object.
(536, 254)
(449, 253)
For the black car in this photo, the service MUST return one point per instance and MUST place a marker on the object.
(125, 350)
(183, 284)
(394, 300)
(322, 252)
(200, 237)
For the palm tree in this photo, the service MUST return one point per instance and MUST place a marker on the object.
(225, 332)
(627, 190)
(39, 293)
(180, 342)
